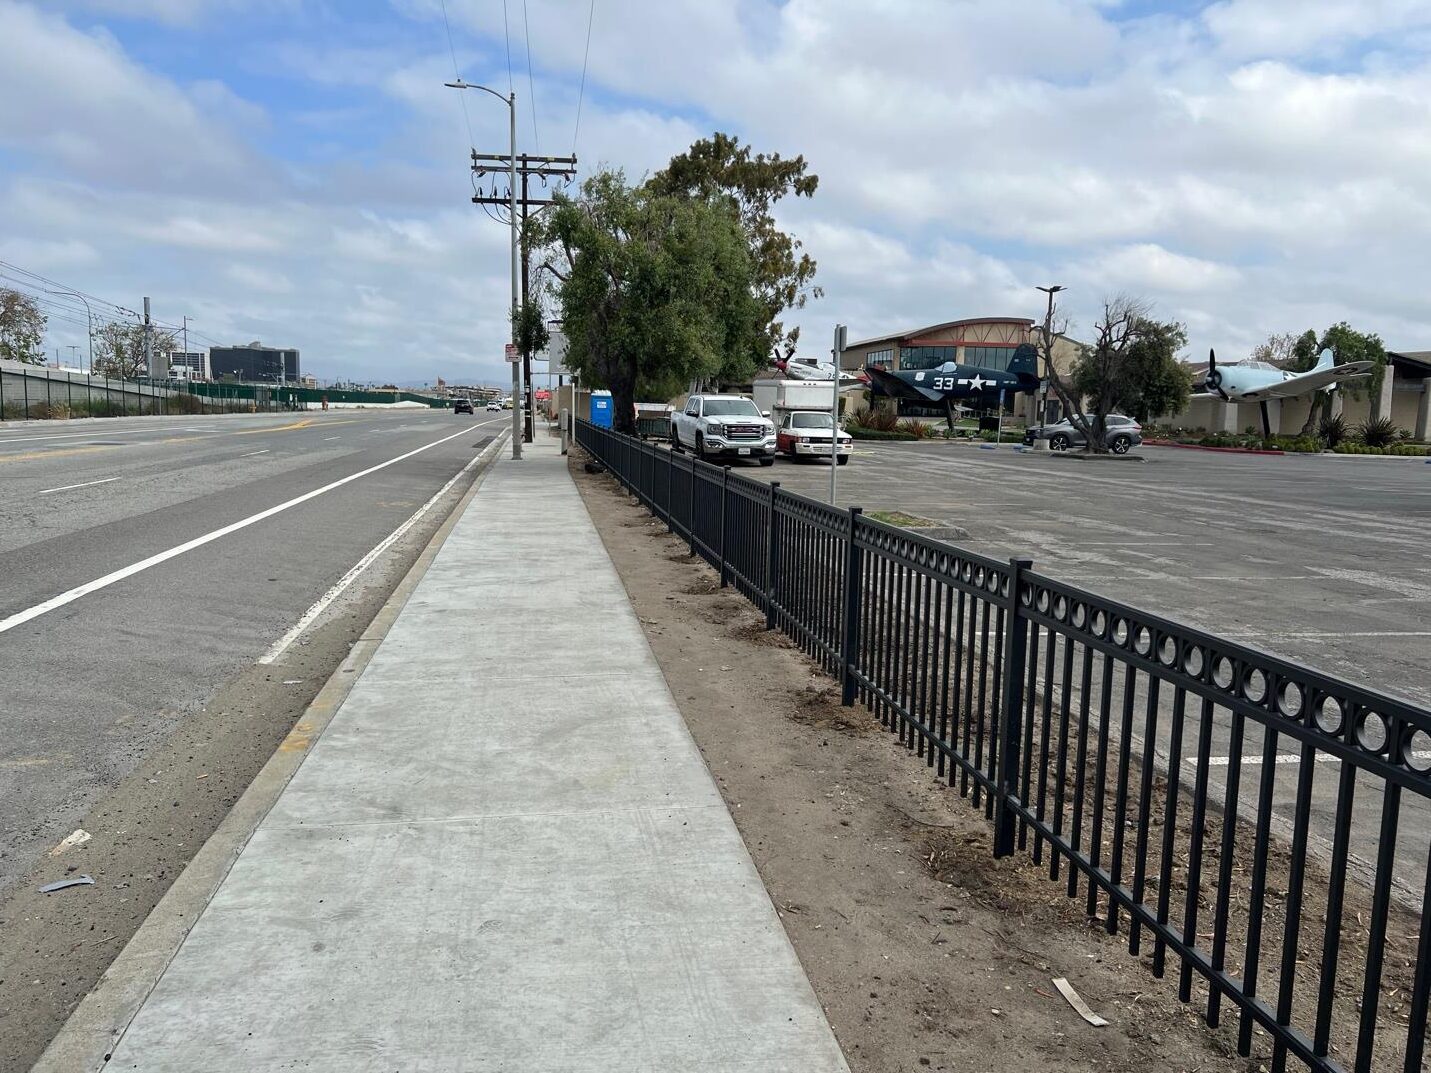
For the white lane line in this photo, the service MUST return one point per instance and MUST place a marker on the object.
(70, 596)
(1286, 758)
(332, 438)
(67, 487)
(252, 453)
(1309, 635)
(281, 645)
(100, 432)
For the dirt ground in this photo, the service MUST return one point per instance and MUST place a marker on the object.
(925, 951)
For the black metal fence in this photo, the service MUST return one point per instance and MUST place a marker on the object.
(1238, 813)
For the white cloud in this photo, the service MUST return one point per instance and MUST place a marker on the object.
(1255, 166)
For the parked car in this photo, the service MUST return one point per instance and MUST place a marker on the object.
(724, 426)
(1122, 434)
(462, 406)
(806, 434)
(494, 407)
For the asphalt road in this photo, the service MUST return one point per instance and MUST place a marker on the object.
(152, 571)
(90, 687)
(1322, 560)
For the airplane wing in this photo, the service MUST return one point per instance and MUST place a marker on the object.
(895, 387)
(1312, 381)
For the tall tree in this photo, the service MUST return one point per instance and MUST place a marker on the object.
(22, 328)
(1347, 345)
(119, 350)
(654, 290)
(1131, 367)
(782, 275)
(1297, 353)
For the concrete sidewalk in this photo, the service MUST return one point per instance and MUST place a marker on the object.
(504, 853)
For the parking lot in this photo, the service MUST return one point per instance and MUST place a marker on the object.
(1323, 560)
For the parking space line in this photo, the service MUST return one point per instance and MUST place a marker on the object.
(1286, 758)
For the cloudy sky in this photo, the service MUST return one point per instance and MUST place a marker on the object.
(294, 171)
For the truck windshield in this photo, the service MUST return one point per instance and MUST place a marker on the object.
(730, 408)
(809, 420)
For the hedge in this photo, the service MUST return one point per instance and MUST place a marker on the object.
(861, 433)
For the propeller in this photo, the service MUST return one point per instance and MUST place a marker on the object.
(1213, 380)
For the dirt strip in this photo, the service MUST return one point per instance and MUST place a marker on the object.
(925, 951)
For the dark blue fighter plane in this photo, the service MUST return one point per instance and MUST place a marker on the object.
(952, 382)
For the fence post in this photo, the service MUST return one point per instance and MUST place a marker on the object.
(772, 558)
(1016, 635)
(25, 383)
(724, 491)
(850, 633)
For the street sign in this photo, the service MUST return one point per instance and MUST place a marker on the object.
(511, 353)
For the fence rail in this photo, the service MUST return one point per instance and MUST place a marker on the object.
(1214, 801)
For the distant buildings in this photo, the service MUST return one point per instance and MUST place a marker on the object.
(254, 362)
(196, 361)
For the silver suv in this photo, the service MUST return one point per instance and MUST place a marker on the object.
(1121, 432)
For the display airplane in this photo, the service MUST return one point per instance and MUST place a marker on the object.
(814, 369)
(951, 382)
(1260, 382)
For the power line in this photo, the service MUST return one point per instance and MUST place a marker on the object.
(586, 54)
(457, 74)
(531, 84)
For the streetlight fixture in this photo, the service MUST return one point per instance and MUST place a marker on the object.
(90, 316)
(1041, 444)
(511, 101)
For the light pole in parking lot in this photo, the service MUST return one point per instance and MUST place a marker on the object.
(1041, 444)
(511, 102)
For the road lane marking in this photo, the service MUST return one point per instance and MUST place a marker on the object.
(71, 595)
(281, 645)
(302, 423)
(67, 487)
(86, 435)
(252, 453)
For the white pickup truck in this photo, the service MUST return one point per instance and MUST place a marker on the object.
(724, 426)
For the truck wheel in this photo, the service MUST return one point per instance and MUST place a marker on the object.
(767, 461)
(700, 451)
(843, 460)
(675, 441)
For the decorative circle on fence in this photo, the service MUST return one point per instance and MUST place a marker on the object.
(1330, 715)
(1222, 675)
(1372, 732)
(1254, 685)
(1290, 699)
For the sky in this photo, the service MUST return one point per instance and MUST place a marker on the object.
(295, 172)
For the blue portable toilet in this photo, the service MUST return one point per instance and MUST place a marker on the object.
(601, 409)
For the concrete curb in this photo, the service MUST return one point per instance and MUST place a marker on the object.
(97, 1024)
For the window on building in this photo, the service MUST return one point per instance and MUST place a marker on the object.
(989, 357)
(883, 358)
(926, 357)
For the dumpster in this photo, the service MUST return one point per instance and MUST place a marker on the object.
(601, 409)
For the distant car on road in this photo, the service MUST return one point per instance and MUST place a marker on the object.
(494, 407)
(806, 434)
(1122, 433)
(462, 406)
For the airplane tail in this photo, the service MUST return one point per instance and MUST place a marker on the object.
(1024, 365)
(1325, 360)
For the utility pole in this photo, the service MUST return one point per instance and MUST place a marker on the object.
(527, 166)
(511, 102)
(1041, 444)
(148, 341)
(836, 353)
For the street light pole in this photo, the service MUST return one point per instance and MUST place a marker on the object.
(90, 316)
(511, 102)
(1041, 444)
